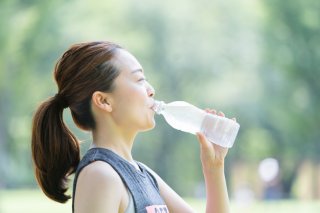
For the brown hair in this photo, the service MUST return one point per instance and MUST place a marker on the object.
(82, 70)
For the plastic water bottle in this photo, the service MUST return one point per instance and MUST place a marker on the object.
(188, 118)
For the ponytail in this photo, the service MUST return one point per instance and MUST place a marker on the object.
(55, 150)
(83, 69)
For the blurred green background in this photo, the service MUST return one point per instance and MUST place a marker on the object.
(257, 61)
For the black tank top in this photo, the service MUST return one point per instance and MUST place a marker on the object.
(141, 184)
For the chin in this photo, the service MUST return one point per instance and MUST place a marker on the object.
(150, 126)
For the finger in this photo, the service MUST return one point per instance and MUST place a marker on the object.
(212, 111)
(221, 114)
(202, 140)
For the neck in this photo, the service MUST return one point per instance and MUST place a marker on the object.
(119, 142)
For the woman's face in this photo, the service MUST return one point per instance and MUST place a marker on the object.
(133, 95)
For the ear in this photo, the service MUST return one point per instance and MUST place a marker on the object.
(102, 101)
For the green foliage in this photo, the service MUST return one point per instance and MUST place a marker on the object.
(292, 81)
(257, 61)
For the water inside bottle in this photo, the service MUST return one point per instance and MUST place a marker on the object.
(181, 118)
(181, 115)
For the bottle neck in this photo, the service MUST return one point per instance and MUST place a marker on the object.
(159, 107)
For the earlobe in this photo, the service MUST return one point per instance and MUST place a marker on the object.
(107, 106)
(101, 101)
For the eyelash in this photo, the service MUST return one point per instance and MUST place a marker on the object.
(143, 79)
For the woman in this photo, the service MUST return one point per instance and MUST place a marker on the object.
(107, 93)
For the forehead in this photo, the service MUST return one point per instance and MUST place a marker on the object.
(126, 62)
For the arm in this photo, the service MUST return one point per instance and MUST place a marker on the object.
(99, 189)
(212, 158)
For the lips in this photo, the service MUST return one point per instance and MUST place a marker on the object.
(152, 105)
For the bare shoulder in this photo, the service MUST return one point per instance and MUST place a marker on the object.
(100, 171)
(99, 189)
(99, 175)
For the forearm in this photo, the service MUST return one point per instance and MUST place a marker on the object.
(216, 189)
(212, 159)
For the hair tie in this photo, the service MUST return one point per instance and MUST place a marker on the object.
(61, 100)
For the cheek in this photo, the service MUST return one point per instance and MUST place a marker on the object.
(129, 100)
(132, 98)
(135, 94)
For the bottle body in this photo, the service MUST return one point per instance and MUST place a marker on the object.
(188, 118)
(220, 130)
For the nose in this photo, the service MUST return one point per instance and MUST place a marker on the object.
(151, 91)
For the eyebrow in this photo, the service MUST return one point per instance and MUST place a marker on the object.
(137, 70)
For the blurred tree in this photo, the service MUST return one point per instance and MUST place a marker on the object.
(27, 38)
(189, 51)
(291, 72)
(204, 52)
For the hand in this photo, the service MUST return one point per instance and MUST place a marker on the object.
(212, 155)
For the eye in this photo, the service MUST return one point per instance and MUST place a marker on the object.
(142, 79)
